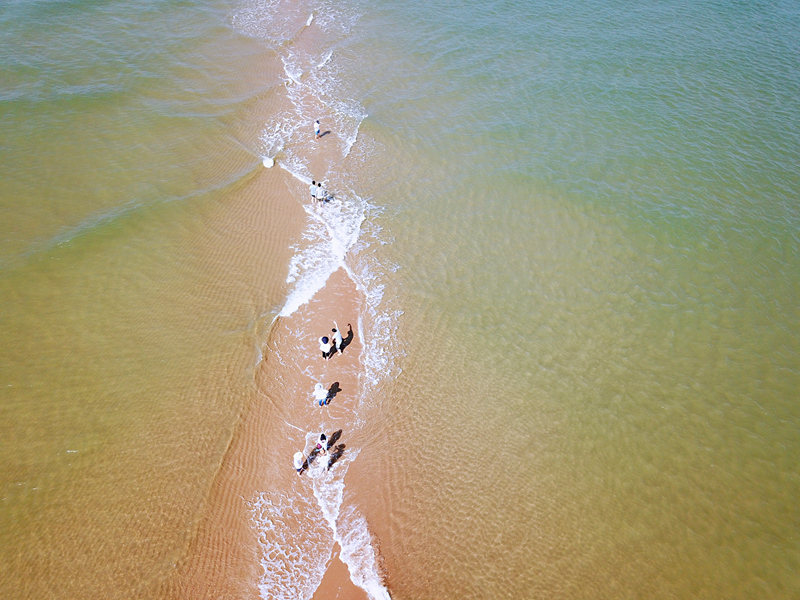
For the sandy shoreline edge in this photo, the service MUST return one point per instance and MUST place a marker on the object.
(231, 552)
(223, 558)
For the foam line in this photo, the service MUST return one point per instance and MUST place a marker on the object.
(360, 556)
(349, 530)
(295, 173)
(311, 268)
(325, 60)
(291, 71)
(293, 566)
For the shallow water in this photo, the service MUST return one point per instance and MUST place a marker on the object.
(579, 248)
(128, 308)
(594, 213)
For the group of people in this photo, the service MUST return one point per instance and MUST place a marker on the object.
(335, 343)
(328, 345)
(325, 446)
(319, 193)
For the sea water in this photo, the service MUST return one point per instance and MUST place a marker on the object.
(594, 210)
(129, 298)
(576, 228)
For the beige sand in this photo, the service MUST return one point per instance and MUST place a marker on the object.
(223, 558)
(336, 584)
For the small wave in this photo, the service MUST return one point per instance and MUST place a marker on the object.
(325, 60)
(351, 532)
(360, 555)
(315, 83)
(294, 562)
(268, 20)
(331, 231)
(293, 565)
(292, 70)
(97, 221)
(273, 138)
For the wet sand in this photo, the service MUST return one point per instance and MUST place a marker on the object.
(223, 557)
(336, 584)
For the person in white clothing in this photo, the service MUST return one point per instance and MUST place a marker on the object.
(322, 193)
(299, 459)
(320, 394)
(316, 129)
(337, 336)
(326, 347)
(313, 189)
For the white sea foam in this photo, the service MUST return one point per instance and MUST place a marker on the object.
(360, 555)
(325, 60)
(349, 529)
(292, 69)
(333, 232)
(332, 229)
(293, 565)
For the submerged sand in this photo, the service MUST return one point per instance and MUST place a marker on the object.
(224, 557)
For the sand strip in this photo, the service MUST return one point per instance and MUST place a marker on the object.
(232, 552)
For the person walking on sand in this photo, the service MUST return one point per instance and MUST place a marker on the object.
(316, 129)
(320, 394)
(322, 193)
(322, 444)
(337, 337)
(299, 459)
(326, 347)
(313, 189)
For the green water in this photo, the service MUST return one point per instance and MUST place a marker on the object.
(126, 326)
(591, 221)
(594, 210)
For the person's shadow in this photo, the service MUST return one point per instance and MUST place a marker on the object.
(322, 135)
(309, 461)
(333, 439)
(336, 454)
(332, 391)
(346, 340)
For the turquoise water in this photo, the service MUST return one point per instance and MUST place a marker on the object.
(594, 210)
(587, 237)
